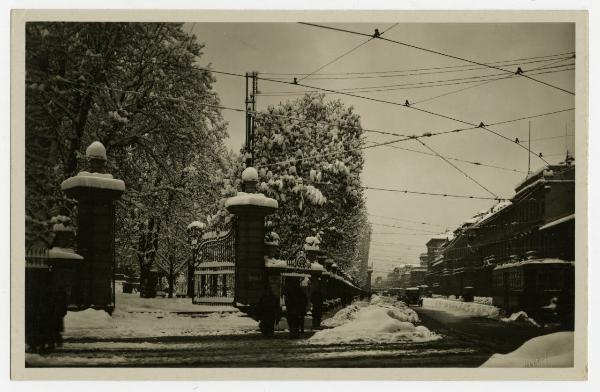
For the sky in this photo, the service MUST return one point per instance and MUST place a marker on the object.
(290, 48)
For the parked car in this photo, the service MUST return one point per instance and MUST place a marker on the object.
(413, 296)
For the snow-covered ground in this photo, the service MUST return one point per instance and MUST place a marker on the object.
(553, 350)
(460, 308)
(150, 317)
(520, 317)
(383, 319)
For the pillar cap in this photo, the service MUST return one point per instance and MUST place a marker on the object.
(96, 150)
(250, 174)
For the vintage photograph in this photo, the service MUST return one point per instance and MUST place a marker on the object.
(300, 194)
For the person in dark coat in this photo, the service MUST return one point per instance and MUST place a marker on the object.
(269, 312)
(292, 294)
(303, 299)
(316, 299)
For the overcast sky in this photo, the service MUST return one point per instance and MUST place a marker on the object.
(295, 48)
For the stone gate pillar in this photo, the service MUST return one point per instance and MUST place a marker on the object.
(96, 192)
(250, 209)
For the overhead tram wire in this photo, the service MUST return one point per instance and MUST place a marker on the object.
(405, 228)
(346, 53)
(404, 220)
(424, 84)
(439, 53)
(522, 60)
(406, 191)
(457, 168)
(399, 75)
(530, 117)
(466, 79)
(458, 159)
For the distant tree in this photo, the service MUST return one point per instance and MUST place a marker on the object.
(134, 87)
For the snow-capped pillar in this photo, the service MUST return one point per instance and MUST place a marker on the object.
(250, 209)
(96, 193)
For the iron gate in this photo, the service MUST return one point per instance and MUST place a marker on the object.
(214, 274)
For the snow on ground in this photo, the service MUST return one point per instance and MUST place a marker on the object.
(520, 317)
(553, 350)
(483, 300)
(460, 308)
(149, 317)
(98, 324)
(134, 303)
(381, 320)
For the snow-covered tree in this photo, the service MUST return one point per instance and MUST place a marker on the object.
(312, 167)
(134, 87)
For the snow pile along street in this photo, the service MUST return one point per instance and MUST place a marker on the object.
(152, 317)
(98, 324)
(457, 307)
(520, 317)
(553, 350)
(382, 320)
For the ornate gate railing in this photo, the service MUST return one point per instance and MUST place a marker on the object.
(214, 275)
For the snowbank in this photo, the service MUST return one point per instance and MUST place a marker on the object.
(148, 317)
(520, 317)
(98, 324)
(472, 309)
(381, 320)
(553, 350)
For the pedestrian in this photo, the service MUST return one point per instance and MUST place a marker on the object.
(303, 295)
(316, 299)
(269, 312)
(292, 311)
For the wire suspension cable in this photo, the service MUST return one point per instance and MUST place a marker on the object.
(458, 159)
(457, 168)
(345, 54)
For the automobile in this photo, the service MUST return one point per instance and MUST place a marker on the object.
(413, 296)
(425, 291)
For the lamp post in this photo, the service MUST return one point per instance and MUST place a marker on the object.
(194, 234)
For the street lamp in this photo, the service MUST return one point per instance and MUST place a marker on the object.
(194, 234)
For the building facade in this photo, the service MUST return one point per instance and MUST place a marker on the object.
(520, 252)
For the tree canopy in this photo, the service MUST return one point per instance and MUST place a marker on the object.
(135, 88)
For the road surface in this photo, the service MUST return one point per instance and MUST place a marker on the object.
(465, 342)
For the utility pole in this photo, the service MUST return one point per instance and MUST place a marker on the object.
(529, 150)
(251, 91)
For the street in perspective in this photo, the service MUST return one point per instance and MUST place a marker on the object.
(299, 195)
